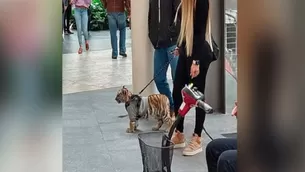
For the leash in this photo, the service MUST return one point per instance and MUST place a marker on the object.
(163, 68)
(155, 76)
(207, 133)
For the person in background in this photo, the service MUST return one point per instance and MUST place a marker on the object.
(195, 56)
(163, 35)
(117, 21)
(65, 4)
(221, 154)
(68, 14)
(81, 19)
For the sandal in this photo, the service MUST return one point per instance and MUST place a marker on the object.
(80, 50)
(87, 46)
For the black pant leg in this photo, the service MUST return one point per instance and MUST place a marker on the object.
(227, 161)
(68, 14)
(214, 150)
(200, 82)
(180, 80)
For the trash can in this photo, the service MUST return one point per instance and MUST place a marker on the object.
(155, 157)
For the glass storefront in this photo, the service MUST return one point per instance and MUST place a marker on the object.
(231, 53)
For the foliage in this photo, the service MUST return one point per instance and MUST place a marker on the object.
(98, 17)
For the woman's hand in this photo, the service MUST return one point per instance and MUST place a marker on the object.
(176, 52)
(194, 70)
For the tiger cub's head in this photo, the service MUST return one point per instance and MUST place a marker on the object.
(123, 95)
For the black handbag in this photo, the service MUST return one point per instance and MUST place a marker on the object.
(216, 51)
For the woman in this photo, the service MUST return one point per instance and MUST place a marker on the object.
(193, 64)
(81, 19)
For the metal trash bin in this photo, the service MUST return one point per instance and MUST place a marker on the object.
(155, 157)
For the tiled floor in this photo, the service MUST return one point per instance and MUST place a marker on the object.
(94, 137)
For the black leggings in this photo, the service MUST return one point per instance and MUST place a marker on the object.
(67, 18)
(182, 78)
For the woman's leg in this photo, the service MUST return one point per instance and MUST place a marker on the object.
(78, 18)
(179, 82)
(195, 146)
(85, 27)
(199, 82)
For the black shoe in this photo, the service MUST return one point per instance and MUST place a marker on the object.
(123, 54)
(70, 32)
(114, 57)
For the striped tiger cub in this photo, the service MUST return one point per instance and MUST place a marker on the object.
(140, 107)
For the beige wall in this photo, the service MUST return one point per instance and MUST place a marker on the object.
(142, 59)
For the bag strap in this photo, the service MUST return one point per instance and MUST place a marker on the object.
(208, 34)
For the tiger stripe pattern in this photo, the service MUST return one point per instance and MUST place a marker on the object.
(158, 107)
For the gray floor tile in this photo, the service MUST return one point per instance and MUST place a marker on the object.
(97, 140)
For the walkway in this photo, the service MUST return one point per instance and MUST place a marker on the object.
(94, 138)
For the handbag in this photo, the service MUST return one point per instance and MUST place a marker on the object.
(209, 38)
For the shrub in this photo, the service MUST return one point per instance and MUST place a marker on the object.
(98, 17)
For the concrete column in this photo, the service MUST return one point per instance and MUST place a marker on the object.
(215, 88)
(142, 54)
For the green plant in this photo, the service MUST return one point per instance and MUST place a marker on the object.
(98, 17)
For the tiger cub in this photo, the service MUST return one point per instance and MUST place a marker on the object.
(139, 107)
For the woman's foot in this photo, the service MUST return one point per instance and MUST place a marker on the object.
(80, 50)
(178, 140)
(194, 147)
(87, 45)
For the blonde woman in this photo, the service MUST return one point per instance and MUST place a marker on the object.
(195, 56)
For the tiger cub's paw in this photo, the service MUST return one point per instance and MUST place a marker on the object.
(129, 130)
(155, 129)
(132, 127)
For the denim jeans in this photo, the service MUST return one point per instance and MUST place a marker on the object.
(161, 59)
(81, 19)
(117, 21)
(221, 155)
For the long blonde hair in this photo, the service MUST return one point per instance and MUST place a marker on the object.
(187, 25)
